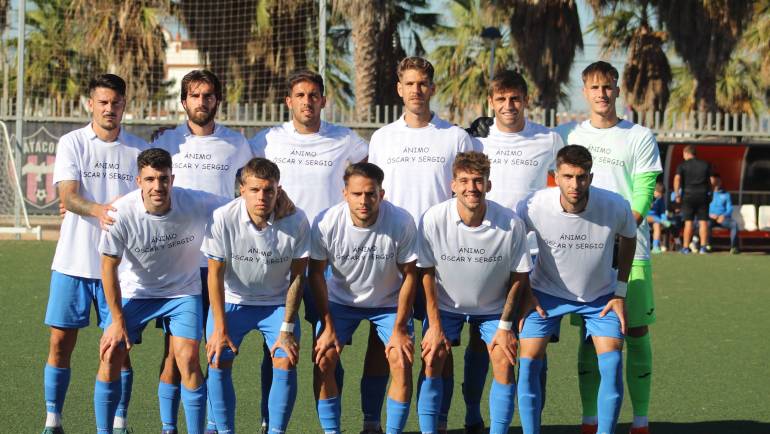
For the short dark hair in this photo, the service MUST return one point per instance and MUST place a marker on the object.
(415, 62)
(367, 170)
(305, 75)
(156, 158)
(575, 155)
(690, 149)
(471, 162)
(201, 76)
(261, 168)
(507, 80)
(601, 68)
(109, 81)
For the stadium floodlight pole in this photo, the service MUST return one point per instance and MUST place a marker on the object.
(322, 44)
(19, 106)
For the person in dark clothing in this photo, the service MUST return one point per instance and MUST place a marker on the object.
(692, 184)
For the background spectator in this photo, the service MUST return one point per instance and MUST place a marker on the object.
(721, 211)
(694, 178)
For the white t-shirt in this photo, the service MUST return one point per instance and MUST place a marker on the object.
(258, 261)
(519, 161)
(364, 261)
(619, 153)
(575, 258)
(105, 171)
(160, 253)
(473, 264)
(206, 163)
(311, 165)
(418, 162)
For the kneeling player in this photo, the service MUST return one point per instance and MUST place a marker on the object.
(475, 259)
(257, 266)
(576, 226)
(156, 240)
(370, 245)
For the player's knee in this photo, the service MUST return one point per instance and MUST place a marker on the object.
(282, 363)
(638, 332)
(186, 355)
(115, 357)
(501, 365)
(221, 364)
(328, 362)
(398, 363)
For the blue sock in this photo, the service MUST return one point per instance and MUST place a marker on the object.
(429, 402)
(501, 407)
(283, 393)
(267, 381)
(329, 414)
(448, 389)
(221, 400)
(127, 383)
(529, 394)
(397, 413)
(373, 390)
(106, 397)
(168, 401)
(55, 384)
(474, 377)
(543, 381)
(194, 402)
(610, 390)
(339, 376)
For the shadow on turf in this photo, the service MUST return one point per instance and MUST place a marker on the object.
(711, 427)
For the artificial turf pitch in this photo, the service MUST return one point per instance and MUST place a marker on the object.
(711, 354)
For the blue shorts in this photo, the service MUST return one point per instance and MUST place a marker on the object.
(346, 320)
(161, 324)
(70, 300)
(241, 319)
(311, 312)
(453, 325)
(183, 315)
(556, 308)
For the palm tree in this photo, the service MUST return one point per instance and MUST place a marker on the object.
(756, 40)
(705, 34)
(628, 25)
(462, 61)
(128, 36)
(547, 58)
(377, 28)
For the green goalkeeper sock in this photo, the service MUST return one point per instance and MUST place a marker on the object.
(588, 378)
(639, 372)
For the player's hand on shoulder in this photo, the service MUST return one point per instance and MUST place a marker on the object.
(284, 207)
(480, 127)
(159, 132)
(402, 344)
(102, 213)
(288, 344)
(216, 344)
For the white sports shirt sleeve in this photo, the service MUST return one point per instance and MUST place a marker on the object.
(417, 162)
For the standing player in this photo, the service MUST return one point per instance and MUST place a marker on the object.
(94, 166)
(693, 182)
(257, 266)
(312, 156)
(370, 246)
(416, 153)
(207, 157)
(521, 153)
(576, 225)
(155, 239)
(474, 257)
(626, 161)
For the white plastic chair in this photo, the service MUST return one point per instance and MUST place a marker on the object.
(764, 218)
(748, 218)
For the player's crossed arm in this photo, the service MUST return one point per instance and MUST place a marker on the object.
(71, 200)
